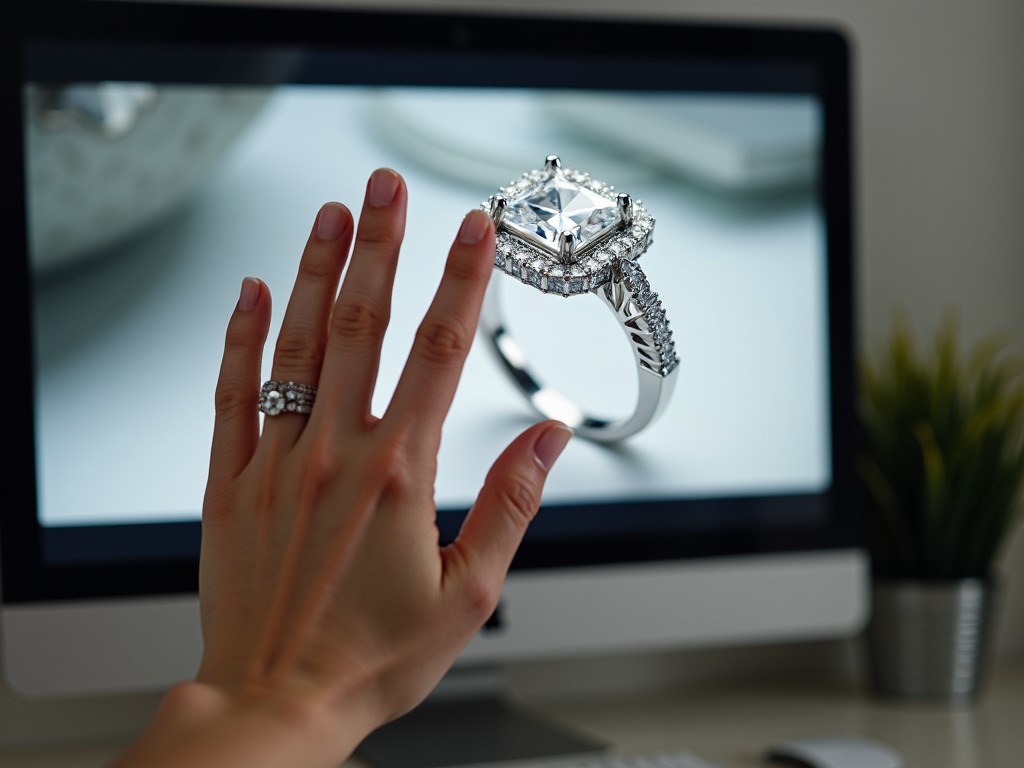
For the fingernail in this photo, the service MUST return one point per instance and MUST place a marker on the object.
(549, 446)
(383, 186)
(474, 227)
(250, 294)
(330, 222)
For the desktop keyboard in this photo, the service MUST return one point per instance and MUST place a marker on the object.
(674, 758)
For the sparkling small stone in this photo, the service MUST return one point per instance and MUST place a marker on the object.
(637, 282)
(274, 402)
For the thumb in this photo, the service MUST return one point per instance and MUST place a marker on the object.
(506, 505)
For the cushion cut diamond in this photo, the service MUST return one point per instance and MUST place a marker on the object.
(559, 205)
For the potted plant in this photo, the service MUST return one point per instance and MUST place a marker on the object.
(942, 464)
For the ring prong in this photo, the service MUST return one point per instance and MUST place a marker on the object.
(552, 163)
(625, 209)
(566, 247)
(499, 204)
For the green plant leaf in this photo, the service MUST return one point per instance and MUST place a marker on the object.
(942, 457)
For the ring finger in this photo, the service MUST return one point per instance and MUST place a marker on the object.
(298, 355)
(363, 309)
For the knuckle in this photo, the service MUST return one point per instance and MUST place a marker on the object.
(382, 466)
(298, 348)
(442, 342)
(377, 233)
(321, 466)
(230, 396)
(358, 318)
(384, 460)
(520, 499)
(467, 270)
(323, 460)
(239, 338)
(318, 270)
(482, 596)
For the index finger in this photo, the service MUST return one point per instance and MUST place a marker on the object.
(431, 375)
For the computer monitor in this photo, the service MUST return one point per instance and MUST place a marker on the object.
(154, 155)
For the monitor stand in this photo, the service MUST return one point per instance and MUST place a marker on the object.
(469, 720)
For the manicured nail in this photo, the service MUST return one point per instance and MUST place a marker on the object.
(383, 186)
(330, 222)
(250, 294)
(474, 227)
(549, 446)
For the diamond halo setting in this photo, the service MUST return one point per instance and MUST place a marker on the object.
(562, 231)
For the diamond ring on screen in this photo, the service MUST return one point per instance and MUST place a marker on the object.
(565, 233)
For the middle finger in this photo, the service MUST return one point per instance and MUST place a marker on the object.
(363, 308)
(431, 375)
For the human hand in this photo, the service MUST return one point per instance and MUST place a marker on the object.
(328, 606)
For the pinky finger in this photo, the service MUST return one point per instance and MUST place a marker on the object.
(236, 425)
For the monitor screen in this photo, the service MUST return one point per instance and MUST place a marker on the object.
(161, 157)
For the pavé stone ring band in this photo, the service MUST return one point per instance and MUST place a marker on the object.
(277, 397)
(562, 232)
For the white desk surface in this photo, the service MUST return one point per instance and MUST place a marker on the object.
(733, 724)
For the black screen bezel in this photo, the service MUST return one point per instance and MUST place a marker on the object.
(750, 57)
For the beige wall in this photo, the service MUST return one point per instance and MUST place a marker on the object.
(940, 172)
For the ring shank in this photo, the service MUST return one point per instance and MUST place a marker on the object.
(653, 392)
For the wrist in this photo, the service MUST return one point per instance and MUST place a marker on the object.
(199, 724)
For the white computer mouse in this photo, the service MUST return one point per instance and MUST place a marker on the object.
(835, 752)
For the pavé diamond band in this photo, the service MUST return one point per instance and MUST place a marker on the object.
(278, 397)
(563, 232)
